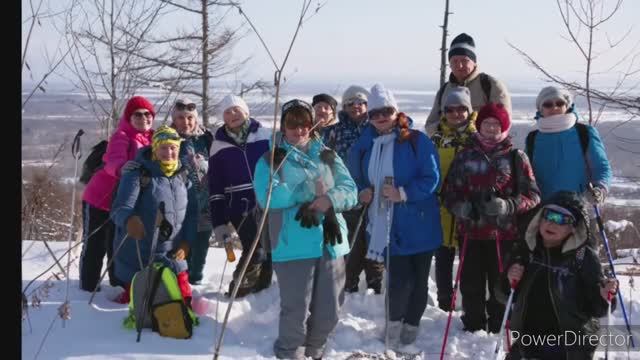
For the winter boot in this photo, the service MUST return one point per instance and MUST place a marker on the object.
(395, 329)
(409, 334)
(185, 288)
(264, 278)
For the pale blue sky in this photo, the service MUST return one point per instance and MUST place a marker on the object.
(398, 41)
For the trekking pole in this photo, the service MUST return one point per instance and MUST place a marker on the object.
(613, 271)
(355, 236)
(609, 324)
(388, 180)
(77, 154)
(504, 319)
(109, 263)
(455, 292)
(164, 230)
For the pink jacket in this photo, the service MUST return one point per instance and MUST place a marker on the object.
(123, 146)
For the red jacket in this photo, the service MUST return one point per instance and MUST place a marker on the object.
(474, 175)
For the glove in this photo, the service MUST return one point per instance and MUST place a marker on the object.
(306, 216)
(496, 207)
(135, 227)
(465, 211)
(331, 228)
(183, 251)
(596, 195)
(278, 156)
(222, 232)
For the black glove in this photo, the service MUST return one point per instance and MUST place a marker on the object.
(306, 216)
(278, 156)
(331, 228)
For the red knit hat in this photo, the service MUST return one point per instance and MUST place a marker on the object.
(138, 102)
(496, 111)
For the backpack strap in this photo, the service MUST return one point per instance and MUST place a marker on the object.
(530, 143)
(583, 135)
(485, 83)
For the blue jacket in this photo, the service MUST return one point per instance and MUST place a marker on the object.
(293, 185)
(558, 162)
(416, 224)
(133, 198)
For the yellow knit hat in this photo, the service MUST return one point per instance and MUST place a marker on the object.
(165, 135)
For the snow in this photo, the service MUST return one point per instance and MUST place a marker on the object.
(617, 226)
(96, 332)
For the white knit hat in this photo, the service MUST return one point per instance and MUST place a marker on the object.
(380, 98)
(354, 92)
(552, 93)
(230, 101)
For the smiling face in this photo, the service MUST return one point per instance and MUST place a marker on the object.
(234, 117)
(185, 122)
(490, 129)
(297, 126)
(141, 119)
(324, 113)
(383, 119)
(554, 107)
(167, 152)
(356, 109)
(456, 115)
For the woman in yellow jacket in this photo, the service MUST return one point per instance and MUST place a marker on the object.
(454, 129)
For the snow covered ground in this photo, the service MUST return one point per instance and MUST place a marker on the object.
(96, 332)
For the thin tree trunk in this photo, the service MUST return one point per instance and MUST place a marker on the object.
(443, 47)
(205, 64)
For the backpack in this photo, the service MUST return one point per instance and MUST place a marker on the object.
(164, 310)
(485, 83)
(583, 135)
(93, 162)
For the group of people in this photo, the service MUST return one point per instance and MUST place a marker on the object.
(361, 189)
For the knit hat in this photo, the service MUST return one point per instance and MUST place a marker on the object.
(165, 135)
(380, 98)
(459, 95)
(138, 102)
(354, 92)
(286, 107)
(327, 99)
(463, 44)
(552, 93)
(494, 110)
(230, 101)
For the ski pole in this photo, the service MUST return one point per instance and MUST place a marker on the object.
(613, 271)
(609, 323)
(455, 292)
(388, 180)
(507, 310)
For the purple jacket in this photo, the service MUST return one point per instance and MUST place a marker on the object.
(231, 169)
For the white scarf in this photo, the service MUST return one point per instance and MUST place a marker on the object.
(380, 213)
(556, 123)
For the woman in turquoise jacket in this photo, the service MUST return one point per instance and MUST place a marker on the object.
(308, 236)
(403, 212)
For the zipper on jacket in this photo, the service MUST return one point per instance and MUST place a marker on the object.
(553, 303)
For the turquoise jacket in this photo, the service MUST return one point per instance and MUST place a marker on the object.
(293, 185)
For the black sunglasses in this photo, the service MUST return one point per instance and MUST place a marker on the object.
(189, 107)
(550, 104)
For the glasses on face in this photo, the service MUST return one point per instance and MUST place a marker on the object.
(551, 104)
(181, 107)
(456, 109)
(557, 217)
(356, 102)
(141, 114)
(293, 124)
(384, 112)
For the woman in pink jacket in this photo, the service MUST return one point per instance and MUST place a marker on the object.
(133, 132)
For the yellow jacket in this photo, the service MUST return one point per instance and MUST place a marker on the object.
(448, 141)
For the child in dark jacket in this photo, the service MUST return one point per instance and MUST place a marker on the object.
(560, 287)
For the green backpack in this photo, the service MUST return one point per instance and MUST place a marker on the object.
(165, 311)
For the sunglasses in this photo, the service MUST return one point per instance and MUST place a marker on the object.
(356, 102)
(550, 104)
(140, 114)
(181, 107)
(164, 136)
(557, 217)
(457, 109)
(384, 112)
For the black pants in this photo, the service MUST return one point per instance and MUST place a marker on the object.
(481, 267)
(97, 240)
(408, 286)
(444, 275)
(356, 260)
(259, 272)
